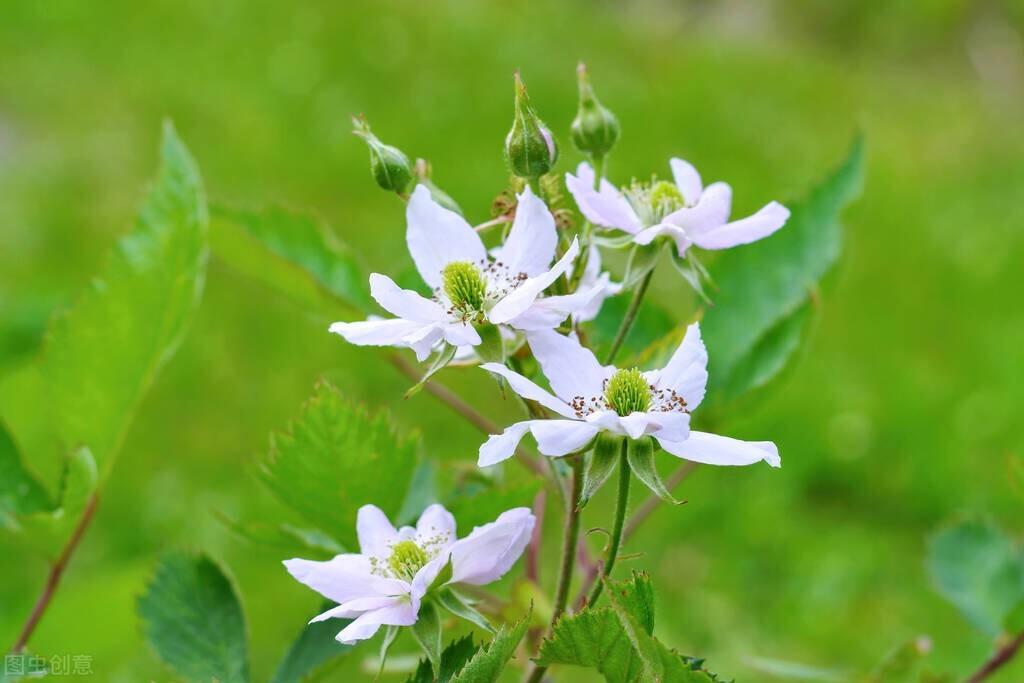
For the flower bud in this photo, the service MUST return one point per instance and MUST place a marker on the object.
(529, 147)
(595, 129)
(389, 165)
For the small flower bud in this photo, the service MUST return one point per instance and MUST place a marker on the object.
(529, 147)
(389, 165)
(595, 129)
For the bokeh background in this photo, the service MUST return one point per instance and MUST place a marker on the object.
(903, 411)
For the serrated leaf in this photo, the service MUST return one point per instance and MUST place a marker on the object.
(979, 569)
(20, 493)
(453, 659)
(101, 356)
(594, 638)
(192, 618)
(335, 458)
(284, 537)
(640, 456)
(315, 646)
(490, 660)
(761, 285)
(599, 465)
(292, 253)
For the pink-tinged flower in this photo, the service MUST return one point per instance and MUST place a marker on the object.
(590, 398)
(396, 569)
(593, 277)
(684, 211)
(471, 287)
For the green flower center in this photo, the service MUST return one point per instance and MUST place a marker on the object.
(628, 392)
(465, 286)
(654, 200)
(406, 559)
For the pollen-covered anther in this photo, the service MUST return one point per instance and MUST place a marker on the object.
(406, 559)
(628, 392)
(465, 287)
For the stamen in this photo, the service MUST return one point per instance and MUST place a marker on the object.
(654, 200)
(406, 559)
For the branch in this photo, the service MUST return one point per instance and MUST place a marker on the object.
(56, 572)
(1002, 656)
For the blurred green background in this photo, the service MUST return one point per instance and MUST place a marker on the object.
(903, 411)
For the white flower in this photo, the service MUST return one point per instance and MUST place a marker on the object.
(592, 398)
(593, 277)
(385, 583)
(685, 211)
(470, 286)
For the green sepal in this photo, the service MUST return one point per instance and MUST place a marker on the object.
(642, 260)
(693, 272)
(443, 577)
(460, 607)
(385, 645)
(492, 347)
(616, 242)
(441, 359)
(599, 465)
(640, 454)
(427, 632)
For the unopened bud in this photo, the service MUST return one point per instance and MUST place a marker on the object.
(529, 147)
(389, 165)
(595, 129)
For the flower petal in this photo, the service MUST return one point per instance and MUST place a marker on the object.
(499, 447)
(375, 532)
(549, 311)
(436, 523)
(670, 426)
(353, 608)
(437, 236)
(378, 332)
(402, 612)
(571, 369)
(556, 438)
(711, 212)
(423, 340)
(637, 424)
(763, 223)
(713, 449)
(687, 180)
(677, 234)
(687, 370)
(528, 389)
(425, 576)
(491, 550)
(343, 578)
(461, 334)
(520, 298)
(404, 303)
(530, 246)
(605, 207)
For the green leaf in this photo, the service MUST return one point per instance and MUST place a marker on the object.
(979, 569)
(336, 458)
(101, 357)
(291, 253)
(640, 455)
(600, 463)
(427, 632)
(315, 646)
(752, 330)
(20, 493)
(490, 660)
(192, 618)
(901, 663)
(594, 638)
(457, 605)
(453, 659)
(23, 666)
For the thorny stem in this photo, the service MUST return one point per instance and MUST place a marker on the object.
(56, 572)
(630, 317)
(570, 537)
(450, 399)
(622, 501)
(1001, 657)
(642, 512)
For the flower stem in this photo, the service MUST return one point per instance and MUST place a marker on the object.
(630, 317)
(620, 518)
(999, 659)
(570, 538)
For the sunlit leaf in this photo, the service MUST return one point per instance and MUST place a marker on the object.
(453, 659)
(764, 289)
(490, 660)
(980, 569)
(192, 618)
(20, 493)
(102, 355)
(314, 647)
(335, 458)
